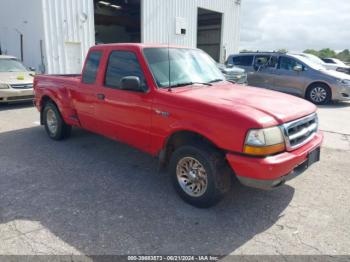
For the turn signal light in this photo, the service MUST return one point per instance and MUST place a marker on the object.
(264, 150)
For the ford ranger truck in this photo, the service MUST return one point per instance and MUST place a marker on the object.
(174, 103)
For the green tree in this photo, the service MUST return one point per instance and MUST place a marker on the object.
(323, 53)
(327, 52)
(282, 50)
(344, 55)
(312, 52)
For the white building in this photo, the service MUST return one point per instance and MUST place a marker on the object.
(55, 35)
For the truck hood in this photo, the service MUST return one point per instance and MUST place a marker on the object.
(13, 78)
(262, 106)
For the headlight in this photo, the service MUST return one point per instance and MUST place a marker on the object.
(264, 142)
(344, 82)
(4, 86)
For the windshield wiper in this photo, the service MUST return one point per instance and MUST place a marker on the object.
(216, 80)
(191, 83)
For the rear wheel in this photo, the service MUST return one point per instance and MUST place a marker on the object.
(200, 175)
(319, 94)
(55, 126)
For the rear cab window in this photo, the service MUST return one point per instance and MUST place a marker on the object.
(91, 68)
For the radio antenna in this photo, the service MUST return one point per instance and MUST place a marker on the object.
(170, 89)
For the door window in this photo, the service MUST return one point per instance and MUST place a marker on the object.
(122, 64)
(91, 68)
(287, 63)
(266, 61)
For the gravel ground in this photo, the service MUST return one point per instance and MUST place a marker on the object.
(92, 196)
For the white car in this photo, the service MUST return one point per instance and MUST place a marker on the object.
(337, 62)
(336, 67)
(16, 81)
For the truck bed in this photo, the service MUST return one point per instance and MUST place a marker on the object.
(59, 77)
(58, 88)
(56, 81)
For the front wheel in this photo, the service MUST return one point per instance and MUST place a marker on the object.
(319, 94)
(55, 126)
(200, 175)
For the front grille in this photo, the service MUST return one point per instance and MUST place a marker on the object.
(14, 98)
(237, 78)
(301, 131)
(22, 86)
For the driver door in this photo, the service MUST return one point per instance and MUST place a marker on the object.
(125, 114)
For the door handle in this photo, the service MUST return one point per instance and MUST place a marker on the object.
(101, 96)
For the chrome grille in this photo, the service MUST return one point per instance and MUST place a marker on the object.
(22, 86)
(301, 131)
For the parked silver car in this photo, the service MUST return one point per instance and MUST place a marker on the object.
(233, 73)
(293, 74)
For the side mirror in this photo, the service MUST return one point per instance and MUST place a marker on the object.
(230, 65)
(298, 68)
(131, 83)
(32, 69)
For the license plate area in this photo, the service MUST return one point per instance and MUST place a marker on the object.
(314, 157)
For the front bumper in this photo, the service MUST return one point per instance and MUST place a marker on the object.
(13, 95)
(341, 93)
(271, 172)
(238, 79)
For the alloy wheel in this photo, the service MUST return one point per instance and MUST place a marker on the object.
(318, 94)
(52, 122)
(192, 176)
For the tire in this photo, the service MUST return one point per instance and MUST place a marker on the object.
(210, 190)
(54, 124)
(319, 94)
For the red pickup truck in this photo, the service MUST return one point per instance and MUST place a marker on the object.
(174, 103)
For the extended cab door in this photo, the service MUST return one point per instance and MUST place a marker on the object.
(85, 95)
(125, 114)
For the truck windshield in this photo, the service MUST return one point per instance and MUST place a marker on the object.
(11, 65)
(187, 66)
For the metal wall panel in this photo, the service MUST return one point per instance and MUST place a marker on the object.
(66, 21)
(159, 18)
(61, 23)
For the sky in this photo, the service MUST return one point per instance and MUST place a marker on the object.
(295, 25)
